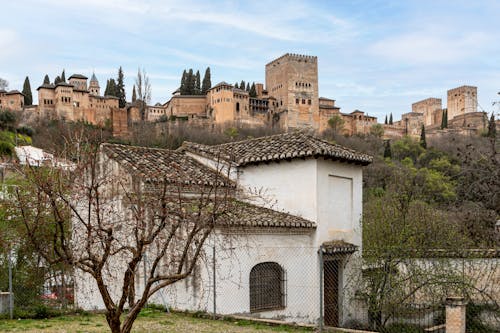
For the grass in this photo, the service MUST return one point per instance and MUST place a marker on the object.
(150, 321)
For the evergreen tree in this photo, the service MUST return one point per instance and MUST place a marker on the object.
(207, 83)
(63, 76)
(390, 119)
(387, 149)
(46, 79)
(134, 95)
(446, 118)
(120, 89)
(28, 96)
(423, 142)
(242, 85)
(236, 85)
(111, 88)
(442, 119)
(197, 84)
(492, 127)
(248, 87)
(57, 80)
(183, 87)
(253, 91)
(385, 122)
(190, 82)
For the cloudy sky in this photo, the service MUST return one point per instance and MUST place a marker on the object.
(376, 56)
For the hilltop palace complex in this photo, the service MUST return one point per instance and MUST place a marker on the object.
(288, 100)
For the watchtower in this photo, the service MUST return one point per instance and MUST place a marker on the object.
(293, 80)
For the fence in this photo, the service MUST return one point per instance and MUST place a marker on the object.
(29, 290)
(295, 284)
(306, 286)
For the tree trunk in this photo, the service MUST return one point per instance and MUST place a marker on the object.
(113, 321)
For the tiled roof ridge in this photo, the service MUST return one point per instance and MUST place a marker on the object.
(310, 140)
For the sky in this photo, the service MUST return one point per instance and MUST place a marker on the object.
(374, 56)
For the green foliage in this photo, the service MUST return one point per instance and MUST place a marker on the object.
(207, 83)
(46, 79)
(385, 121)
(390, 119)
(28, 96)
(387, 149)
(134, 94)
(406, 147)
(377, 130)
(111, 88)
(231, 132)
(6, 148)
(492, 127)
(253, 91)
(197, 84)
(242, 85)
(57, 80)
(7, 120)
(423, 141)
(336, 123)
(63, 76)
(120, 89)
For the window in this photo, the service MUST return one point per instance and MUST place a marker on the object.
(303, 101)
(267, 287)
(296, 101)
(309, 101)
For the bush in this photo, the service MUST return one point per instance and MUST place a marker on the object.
(6, 148)
(402, 328)
(25, 130)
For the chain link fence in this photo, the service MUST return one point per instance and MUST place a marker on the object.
(29, 290)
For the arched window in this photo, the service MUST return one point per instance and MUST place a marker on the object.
(237, 107)
(267, 287)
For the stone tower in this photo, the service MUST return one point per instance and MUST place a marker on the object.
(94, 85)
(293, 80)
(461, 100)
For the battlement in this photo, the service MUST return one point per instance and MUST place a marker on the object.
(293, 57)
(462, 89)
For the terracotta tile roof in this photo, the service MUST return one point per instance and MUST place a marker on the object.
(46, 86)
(248, 215)
(14, 92)
(156, 165)
(338, 247)
(278, 147)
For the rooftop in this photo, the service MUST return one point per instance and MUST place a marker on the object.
(158, 165)
(78, 76)
(278, 147)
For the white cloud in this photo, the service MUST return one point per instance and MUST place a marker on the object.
(431, 47)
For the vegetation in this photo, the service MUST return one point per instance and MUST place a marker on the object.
(150, 320)
(28, 96)
(191, 82)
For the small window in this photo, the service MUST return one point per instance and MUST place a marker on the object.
(267, 287)
(296, 101)
(309, 101)
(303, 101)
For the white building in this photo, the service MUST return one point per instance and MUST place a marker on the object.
(268, 265)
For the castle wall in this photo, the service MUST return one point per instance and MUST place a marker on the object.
(221, 104)
(428, 107)
(9, 101)
(187, 106)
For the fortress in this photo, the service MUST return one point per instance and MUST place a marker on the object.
(289, 100)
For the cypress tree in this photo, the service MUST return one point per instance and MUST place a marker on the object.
(390, 119)
(63, 76)
(492, 127)
(134, 95)
(442, 119)
(46, 79)
(207, 83)
(385, 122)
(387, 149)
(120, 89)
(28, 96)
(57, 80)
(423, 142)
(190, 82)
(248, 87)
(106, 90)
(242, 85)
(183, 87)
(197, 84)
(253, 91)
(446, 118)
(236, 85)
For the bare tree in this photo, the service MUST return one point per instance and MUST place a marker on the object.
(104, 220)
(143, 89)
